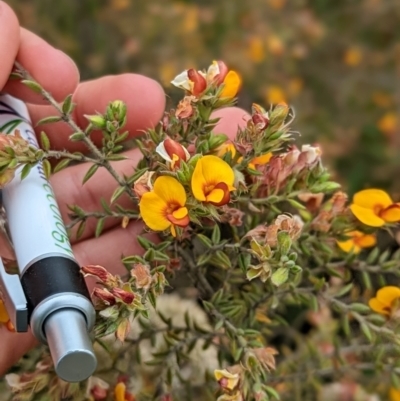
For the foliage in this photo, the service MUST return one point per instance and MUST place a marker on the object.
(256, 287)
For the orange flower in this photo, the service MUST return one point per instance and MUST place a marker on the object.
(212, 181)
(164, 206)
(374, 208)
(394, 394)
(259, 161)
(3, 313)
(388, 123)
(384, 300)
(192, 81)
(232, 83)
(357, 241)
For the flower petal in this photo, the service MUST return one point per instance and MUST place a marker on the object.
(3, 313)
(349, 246)
(182, 81)
(170, 190)
(394, 394)
(119, 392)
(198, 182)
(366, 241)
(387, 295)
(215, 196)
(232, 84)
(180, 213)
(263, 159)
(367, 216)
(369, 198)
(391, 214)
(152, 209)
(215, 170)
(378, 307)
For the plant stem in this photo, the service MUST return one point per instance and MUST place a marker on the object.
(86, 139)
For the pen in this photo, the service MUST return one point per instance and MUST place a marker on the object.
(50, 293)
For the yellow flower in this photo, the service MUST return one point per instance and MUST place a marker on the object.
(256, 50)
(232, 83)
(212, 181)
(388, 123)
(227, 380)
(384, 300)
(394, 394)
(225, 148)
(3, 313)
(260, 160)
(164, 206)
(120, 393)
(374, 208)
(357, 240)
(275, 95)
(353, 57)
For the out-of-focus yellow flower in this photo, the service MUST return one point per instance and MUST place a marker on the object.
(388, 123)
(120, 4)
(394, 394)
(374, 208)
(357, 241)
(275, 45)
(382, 99)
(3, 313)
(384, 300)
(275, 95)
(227, 380)
(352, 56)
(277, 4)
(164, 206)
(232, 83)
(295, 86)
(120, 393)
(212, 180)
(256, 51)
(190, 18)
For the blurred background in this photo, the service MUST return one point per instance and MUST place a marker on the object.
(337, 62)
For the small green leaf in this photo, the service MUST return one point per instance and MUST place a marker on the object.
(99, 227)
(25, 171)
(68, 106)
(366, 331)
(81, 229)
(47, 168)
(90, 173)
(117, 193)
(49, 120)
(296, 204)
(216, 235)
(44, 141)
(204, 240)
(61, 165)
(280, 276)
(77, 136)
(32, 85)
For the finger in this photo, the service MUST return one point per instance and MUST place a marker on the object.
(14, 347)
(144, 97)
(231, 119)
(108, 249)
(67, 185)
(52, 68)
(9, 41)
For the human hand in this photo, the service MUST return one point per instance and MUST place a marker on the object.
(58, 74)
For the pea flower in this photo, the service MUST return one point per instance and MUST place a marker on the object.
(173, 152)
(191, 81)
(3, 313)
(259, 161)
(394, 394)
(212, 181)
(356, 241)
(227, 380)
(164, 206)
(385, 300)
(196, 82)
(374, 208)
(121, 394)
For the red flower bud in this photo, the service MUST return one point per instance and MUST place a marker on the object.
(104, 295)
(125, 296)
(97, 271)
(199, 82)
(174, 148)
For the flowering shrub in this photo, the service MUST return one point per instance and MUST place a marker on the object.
(263, 282)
